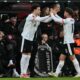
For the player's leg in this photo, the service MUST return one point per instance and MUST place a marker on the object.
(76, 65)
(61, 59)
(60, 65)
(26, 54)
(73, 59)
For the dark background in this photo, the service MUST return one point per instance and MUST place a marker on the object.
(17, 6)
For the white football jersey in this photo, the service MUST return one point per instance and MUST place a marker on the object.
(31, 25)
(68, 26)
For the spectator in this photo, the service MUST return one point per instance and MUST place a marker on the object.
(3, 56)
(77, 21)
(47, 27)
(44, 56)
(8, 27)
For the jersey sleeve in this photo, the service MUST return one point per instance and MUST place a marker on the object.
(47, 20)
(58, 19)
(42, 19)
(38, 18)
(58, 16)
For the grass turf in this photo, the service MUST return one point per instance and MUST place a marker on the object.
(62, 78)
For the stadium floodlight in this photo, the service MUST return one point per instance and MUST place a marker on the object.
(31, 1)
(5, 0)
(68, 1)
(56, 1)
(43, 1)
(18, 0)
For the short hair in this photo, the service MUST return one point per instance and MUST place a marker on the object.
(34, 6)
(70, 11)
(54, 5)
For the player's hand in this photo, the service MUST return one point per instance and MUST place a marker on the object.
(52, 12)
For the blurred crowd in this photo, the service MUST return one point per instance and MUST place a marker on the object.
(10, 42)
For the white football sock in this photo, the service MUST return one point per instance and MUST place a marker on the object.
(27, 62)
(76, 65)
(22, 63)
(59, 67)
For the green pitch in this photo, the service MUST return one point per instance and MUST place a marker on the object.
(63, 78)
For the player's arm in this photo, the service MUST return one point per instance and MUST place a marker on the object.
(43, 19)
(47, 20)
(58, 16)
(40, 19)
(58, 19)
